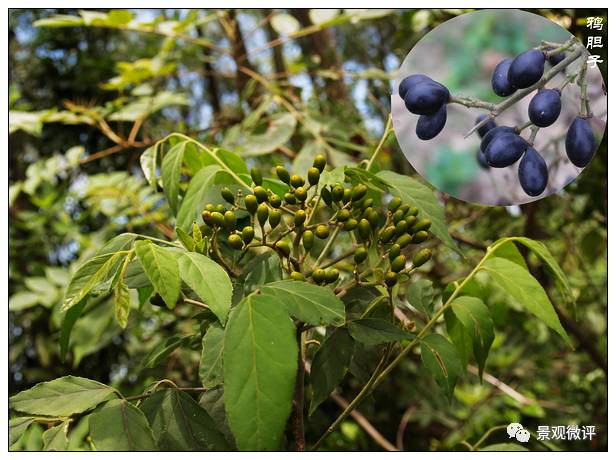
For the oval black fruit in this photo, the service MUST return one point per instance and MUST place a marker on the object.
(555, 59)
(411, 81)
(505, 150)
(544, 107)
(580, 142)
(500, 78)
(483, 130)
(533, 173)
(526, 69)
(426, 98)
(481, 159)
(428, 126)
(494, 132)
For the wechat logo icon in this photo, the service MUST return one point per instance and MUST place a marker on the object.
(516, 430)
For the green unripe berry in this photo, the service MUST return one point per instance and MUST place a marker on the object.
(283, 247)
(394, 204)
(343, 215)
(230, 220)
(300, 217)
(313, 176)
(391, 279)
(373, 218)
(388, 234)
(283, 174)
(308, 240)
(422, 224)
(256, 176)
(207, 218)
(364, 229)
(210, 207)
(367, 203)
(422, 257)
(398, 263)
(410, 221)
(301, 194)
(227, 195)
(326, 196)
(350, 224)
(319, 162)
(365, 213)
(401, 227)
(337, 193)
(318, 275)
(289, 198)
(322, 231)
(297, 276)
(260, 193)
(274, 217)
(413, 211)
(262, 214)
(394, 251)
(398, 216)
(248, 234)
(420, 237)
(346, 195)
(332, 275)
(404, 240)
(360, 254)
(218, 219)
(405, 209)
(235, 241)
(251, 203)
(296, 181)
(275, 201)
(359, 191)
(221, 208)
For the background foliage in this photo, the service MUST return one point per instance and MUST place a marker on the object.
(86, 100)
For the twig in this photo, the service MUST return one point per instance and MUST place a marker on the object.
(386, 132)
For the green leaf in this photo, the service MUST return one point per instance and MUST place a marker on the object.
(179, 423)
(94, 272)
(161, 268)
(120, 426)
(460, 338)
(170, 172)
(62, 397)
(522, 286)
(185, 238)
(374, 331)
(121, 303)
(214, 403)
(210, 282)
(148, 164)
(330, 364)
(315, 305)
(420, 295)
(210, 366)
(285, 24)
(70, 318)
(260, 362)
(121, 242)
(439, 356)
(279, 131)
(163, 349)
(56, 437)
(476, 319)
(504, 447)
(17, 427)
(194, 200)
(23, 300)
(414, 192)
(508, 250)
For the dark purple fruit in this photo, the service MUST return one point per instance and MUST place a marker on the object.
(428, 126)
(485, 128)
(580, 142)
(555, 59)
(533, 173)
(500, 78)
(481, 159)
(505, 150)
(493, 133)
(526, 69)
(426, 98)
(544, 107)
(411, 81)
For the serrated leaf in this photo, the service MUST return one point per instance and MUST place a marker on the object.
(279, 131)
(214, 404)
(148, 161)
(62, 397)
(315, 305)
(375, 331)
(260, 363)
(439, 356)
(179, 423)
(414, 192)
(420, 295)
(163, 349)
(170, 172)
(121, 426)
(522, 286)
(209, 281)
(329, 366)
(56, 437)
(121, 303)
(194, 200)
(210, 366)
(161, 268)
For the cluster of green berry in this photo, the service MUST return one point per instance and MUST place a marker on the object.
(284, 224)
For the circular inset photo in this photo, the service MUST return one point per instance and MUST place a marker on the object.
(499, 107)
